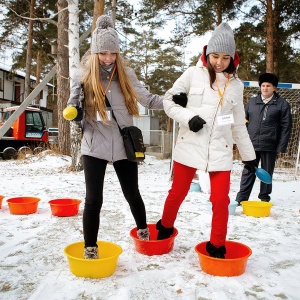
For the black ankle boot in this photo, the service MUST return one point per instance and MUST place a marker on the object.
(214, 251)
(163, 232)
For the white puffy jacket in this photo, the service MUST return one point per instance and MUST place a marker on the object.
(211, 148)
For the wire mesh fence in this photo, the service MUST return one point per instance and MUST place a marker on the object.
(158, 143)
(286, 162)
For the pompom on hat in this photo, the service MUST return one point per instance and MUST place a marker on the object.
(105, 37)
(222, 40)
(268, 77)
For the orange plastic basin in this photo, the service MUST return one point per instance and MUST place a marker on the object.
(64, 207)
(1, 198)
(153, 246)
(23, 205)
(234, 264)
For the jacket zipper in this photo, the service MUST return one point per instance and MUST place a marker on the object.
(265, 112)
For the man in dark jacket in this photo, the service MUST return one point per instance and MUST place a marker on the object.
(269, 123)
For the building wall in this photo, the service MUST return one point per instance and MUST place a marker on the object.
(12, 88)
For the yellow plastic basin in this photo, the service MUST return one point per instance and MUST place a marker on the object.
(256, 208)
(93, 268)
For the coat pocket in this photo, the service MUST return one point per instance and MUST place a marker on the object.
(195, 97)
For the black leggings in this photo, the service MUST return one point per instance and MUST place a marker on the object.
(94, 171)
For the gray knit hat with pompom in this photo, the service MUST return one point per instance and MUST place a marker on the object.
(222, 40)
(105, 38)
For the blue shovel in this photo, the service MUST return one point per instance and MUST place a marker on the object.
(263, 175)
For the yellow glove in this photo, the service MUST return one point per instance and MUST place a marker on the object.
(70, 113)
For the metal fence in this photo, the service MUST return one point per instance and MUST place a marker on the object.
(158, 143)
(288, 162)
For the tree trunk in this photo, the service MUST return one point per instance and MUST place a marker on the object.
(114, 11)
(74, 64)
(29, 51)
(98, 11)
(38, 75)
(63, 86)
(276, 55)
(269, 48)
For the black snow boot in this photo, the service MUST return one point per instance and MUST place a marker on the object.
(214, 251)
(163, 232)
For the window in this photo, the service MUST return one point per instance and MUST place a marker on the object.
(34, 122)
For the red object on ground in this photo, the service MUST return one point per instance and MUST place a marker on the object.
(153, 246)
(64, 207)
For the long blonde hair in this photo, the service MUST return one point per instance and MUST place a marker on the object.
(94, 98)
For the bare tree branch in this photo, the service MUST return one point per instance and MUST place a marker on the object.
(40, 19)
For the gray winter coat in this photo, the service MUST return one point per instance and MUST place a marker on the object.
(105, 141)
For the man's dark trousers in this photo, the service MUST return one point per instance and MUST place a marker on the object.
(267, 159)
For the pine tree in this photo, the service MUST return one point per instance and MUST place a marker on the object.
(14, 36)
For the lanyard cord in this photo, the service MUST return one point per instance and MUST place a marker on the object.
(110, 79)
(104, 94)
(219, 92)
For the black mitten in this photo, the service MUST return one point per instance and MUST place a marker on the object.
(79, 114)
(196, 123)
(180, 99)
(251, 165)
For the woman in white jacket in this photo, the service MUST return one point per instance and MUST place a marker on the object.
(211, 119)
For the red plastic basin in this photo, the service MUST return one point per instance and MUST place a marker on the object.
(64, 207)
(153, 246)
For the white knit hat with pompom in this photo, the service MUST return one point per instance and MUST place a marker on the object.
(105, 38)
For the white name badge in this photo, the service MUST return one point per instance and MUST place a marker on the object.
(108, 113)
(225, 120)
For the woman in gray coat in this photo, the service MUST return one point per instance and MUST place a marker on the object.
(110, 89)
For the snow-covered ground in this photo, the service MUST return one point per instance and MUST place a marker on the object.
(33, 264)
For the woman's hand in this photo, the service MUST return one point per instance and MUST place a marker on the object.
(196, 123)
(180, 99)
(73, 113)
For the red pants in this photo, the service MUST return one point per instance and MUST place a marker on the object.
(219, 185)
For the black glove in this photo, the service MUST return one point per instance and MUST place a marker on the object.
(79, 114)
(251, 165)
(180, 99)
(196, 123)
